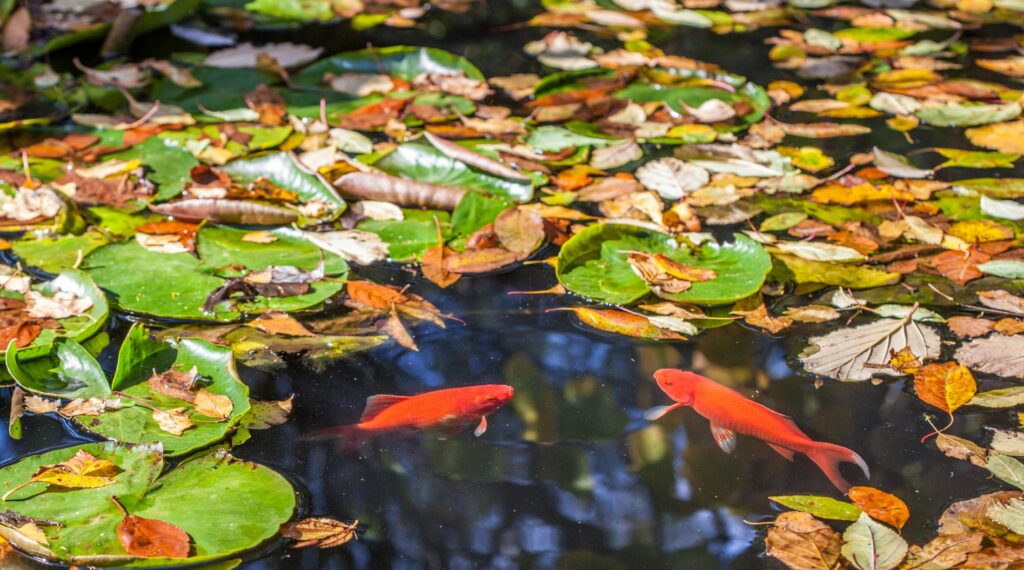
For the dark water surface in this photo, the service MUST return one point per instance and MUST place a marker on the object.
(569, 475)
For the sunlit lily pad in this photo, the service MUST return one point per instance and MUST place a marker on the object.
(226, 505)
(593, 264)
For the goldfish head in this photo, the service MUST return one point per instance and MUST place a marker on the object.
(678, 384)
(489, 398)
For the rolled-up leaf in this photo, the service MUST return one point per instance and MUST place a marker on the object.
(227, 212)
(474, 159)
(386, 188)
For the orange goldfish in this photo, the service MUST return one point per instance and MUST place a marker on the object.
(450, 409)
(730, 412)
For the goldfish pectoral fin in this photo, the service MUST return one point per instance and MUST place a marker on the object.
(724, 437)
(657, 412)
(787, 453)
(480, 429)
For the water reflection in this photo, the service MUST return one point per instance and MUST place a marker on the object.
(569, 475)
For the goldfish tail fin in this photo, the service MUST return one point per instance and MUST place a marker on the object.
(828, 457)
(347, 438)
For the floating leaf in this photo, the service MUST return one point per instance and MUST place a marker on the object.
(945, 385)
(880, 505)
(82, 471)
(857, 353)
(319, 532)
(995, 354)
(151, 538)
(1007, 469)
(823, 507)
(801, 542)
(872, 546)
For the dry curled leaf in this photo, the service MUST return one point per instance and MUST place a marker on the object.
(172, 421)
(212, 405)
(320, 532)
(802, 542)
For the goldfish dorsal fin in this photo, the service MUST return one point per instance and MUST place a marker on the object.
(377, 404)
(724, 437)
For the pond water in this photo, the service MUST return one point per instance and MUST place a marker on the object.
(569, 475)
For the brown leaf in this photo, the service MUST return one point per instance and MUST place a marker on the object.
(944, 551)
(387, 188)
(151, 538)
(219, 211)
(212, 405)
(755, 312)
(971, 515)
(881, 506)
(474, 159)
(432, 265)
(184, 232)
(89, 407)
(1001, 300)
(175, 383)
(1004, 554)
(958, 266)
(39, 405)
(519, 230)
(945, 385)
(279, 323)
(970, 327)
(320, 532)
(802, 542)
(22, 334)
(17, 30)
(480, 260)
(823, 130)
(963, 449)
(812, 313)
(394, 328)
(173, 421)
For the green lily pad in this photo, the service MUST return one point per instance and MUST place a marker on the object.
(410, 237)
(176, 285)
(135, 424)
(77, 328)
(226, 505)
(422, 162)
(55, 253)
(69, 371)
(169, 162)
(593, 263)
(284, 170)
(169, 285)
(221, 245)
(401, 61)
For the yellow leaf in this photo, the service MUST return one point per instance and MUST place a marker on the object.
(903, 123)
(905, 361)
(1004, 137)
(172, 421)
(81, 471)
(809, 158)
(974, 6)
(906, 78)
(851, 113)
(849, 195)
(980, 231)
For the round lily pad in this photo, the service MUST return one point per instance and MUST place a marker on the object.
(593, 263)
(79, 327)
(226, 505)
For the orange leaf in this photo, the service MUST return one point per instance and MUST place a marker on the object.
(151, 538)
(959, 266)
(880, 505)
(945, 385)
(373, 295)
